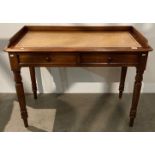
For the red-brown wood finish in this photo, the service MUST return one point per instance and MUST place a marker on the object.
(78, 57)
(137, 87)
(122, 81)
(19, 87)
(33, 79)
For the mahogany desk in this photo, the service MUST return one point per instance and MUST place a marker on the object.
(78, 46)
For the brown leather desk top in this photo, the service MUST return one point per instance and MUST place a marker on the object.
(67, 38)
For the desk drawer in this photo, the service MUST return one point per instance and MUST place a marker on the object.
(60, 58)
(112, 58)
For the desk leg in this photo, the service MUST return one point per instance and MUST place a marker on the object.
(137, 87)
(122, 81)
(21, 96)
(15, 67)
(33, 80)
(136, 95)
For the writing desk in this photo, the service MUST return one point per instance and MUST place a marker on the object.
(78, 46)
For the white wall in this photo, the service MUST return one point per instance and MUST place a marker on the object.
(75, 80)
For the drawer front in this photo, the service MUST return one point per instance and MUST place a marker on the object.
(78, 59)
(60, 58)
(108, 58)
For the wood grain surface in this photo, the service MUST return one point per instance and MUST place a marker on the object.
(42, 46)
(77, 39)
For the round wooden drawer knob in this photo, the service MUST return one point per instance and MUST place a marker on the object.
(109, 59)
(48, 59)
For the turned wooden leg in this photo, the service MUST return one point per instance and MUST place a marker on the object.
(136, 95)
(33, 80)
(137, 87)
(21, 96)
(122, 81)
(15, 67)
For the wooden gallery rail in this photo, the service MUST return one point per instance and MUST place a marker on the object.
(78, 46)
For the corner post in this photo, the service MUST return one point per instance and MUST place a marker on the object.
(137, 86)
(15, 67)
